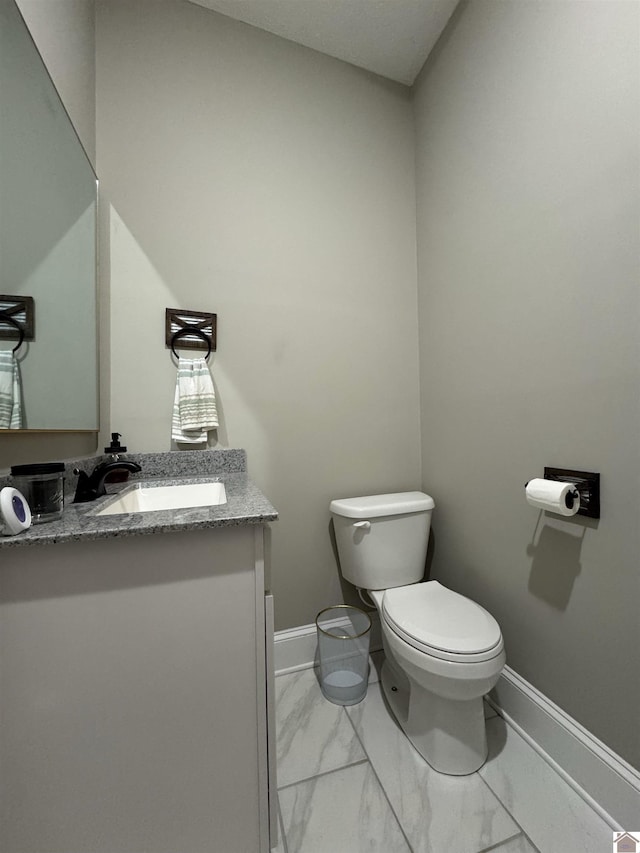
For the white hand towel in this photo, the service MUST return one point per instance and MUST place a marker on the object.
(177, 433)
(10, 392)
(194, 406)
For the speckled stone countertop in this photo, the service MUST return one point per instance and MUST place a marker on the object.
(245, 503)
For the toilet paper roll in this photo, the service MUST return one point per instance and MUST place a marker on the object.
(15, 514)
(553, 496)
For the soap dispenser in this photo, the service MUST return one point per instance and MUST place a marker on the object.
(115, 452)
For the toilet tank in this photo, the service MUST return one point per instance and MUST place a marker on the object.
(382, 539)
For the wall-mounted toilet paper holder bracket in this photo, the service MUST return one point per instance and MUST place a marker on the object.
(587, 484)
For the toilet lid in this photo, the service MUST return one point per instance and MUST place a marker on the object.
(430, 615)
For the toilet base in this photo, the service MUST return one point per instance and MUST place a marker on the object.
(449, 734)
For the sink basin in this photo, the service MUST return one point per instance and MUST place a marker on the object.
(142, 498)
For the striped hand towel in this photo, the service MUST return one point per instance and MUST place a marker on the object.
(194, 405)
(10, 392)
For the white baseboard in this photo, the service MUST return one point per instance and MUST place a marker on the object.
(295, 649)
(602, 778)
(595, 772)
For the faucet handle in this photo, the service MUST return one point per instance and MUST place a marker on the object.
(84, 492)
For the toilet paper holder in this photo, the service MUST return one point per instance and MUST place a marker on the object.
(587, 484)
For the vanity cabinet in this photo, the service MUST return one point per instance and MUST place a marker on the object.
(134, 695)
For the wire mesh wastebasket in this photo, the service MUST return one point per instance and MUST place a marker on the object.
(343, 651)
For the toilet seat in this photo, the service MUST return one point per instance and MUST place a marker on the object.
(441, 623)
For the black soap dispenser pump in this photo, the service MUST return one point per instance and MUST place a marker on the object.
(115, 452)
(115, 449)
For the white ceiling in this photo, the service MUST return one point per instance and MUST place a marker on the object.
(389, 37)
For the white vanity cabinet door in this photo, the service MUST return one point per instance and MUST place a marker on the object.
(131, 700)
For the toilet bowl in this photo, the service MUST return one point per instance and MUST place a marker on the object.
(456, 657)
(443, 651)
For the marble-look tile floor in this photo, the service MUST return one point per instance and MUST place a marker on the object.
(350, 782)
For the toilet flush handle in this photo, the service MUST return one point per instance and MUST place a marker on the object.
(362, 525)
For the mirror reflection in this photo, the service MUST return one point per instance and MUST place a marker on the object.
(48, 200)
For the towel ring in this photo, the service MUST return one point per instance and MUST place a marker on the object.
(7, 318)
(181, 333)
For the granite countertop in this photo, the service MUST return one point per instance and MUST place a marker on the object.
(245, 503)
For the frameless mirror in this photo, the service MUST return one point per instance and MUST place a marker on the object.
(48, 202)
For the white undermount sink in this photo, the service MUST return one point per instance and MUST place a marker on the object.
(141, 498)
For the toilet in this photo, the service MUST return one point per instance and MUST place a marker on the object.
(443, 652)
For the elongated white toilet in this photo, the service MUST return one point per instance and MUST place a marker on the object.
(443, 652)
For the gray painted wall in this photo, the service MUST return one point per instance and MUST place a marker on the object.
(528, 224)
(245, 175)
(64, 32)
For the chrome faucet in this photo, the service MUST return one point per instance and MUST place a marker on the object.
(92, 486)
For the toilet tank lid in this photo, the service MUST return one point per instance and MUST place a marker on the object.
(372, 506)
